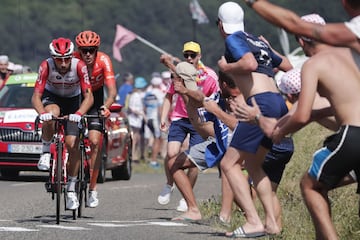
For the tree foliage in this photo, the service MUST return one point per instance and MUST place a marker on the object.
(28, 27)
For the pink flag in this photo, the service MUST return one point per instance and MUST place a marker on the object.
(197, 12)
(122, 37)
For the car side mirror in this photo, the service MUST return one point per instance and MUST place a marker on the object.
(115, 107)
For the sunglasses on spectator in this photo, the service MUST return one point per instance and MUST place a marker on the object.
(61, 59)
(90, 50)
(192, 55)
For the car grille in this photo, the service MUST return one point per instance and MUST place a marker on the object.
(18, 135)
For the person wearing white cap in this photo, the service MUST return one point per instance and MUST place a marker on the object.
(250, 62)
(4, 72)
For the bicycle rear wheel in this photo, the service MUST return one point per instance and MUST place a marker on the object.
(58, 161)
(82, 183)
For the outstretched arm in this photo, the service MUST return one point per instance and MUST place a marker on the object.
(334, 33)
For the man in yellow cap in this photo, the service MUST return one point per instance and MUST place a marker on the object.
(192, 47)
(181, 121)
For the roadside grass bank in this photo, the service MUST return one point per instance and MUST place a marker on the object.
(296, 219)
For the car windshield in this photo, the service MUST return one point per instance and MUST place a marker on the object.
(16, 95)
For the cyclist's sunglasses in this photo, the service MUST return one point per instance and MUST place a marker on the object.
(192, 55)
(86, 50)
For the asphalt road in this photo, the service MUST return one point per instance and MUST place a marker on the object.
(127, 210)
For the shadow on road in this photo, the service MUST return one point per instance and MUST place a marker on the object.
(27, 177)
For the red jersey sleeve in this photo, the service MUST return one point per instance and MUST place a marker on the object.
(43, 74)
(83, 75)
(109, 77)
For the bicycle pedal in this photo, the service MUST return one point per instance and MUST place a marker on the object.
(48, 187)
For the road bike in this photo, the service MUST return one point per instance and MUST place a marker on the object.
(58, 177)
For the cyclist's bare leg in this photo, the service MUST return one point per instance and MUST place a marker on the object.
(72, 145)
(48, 126)
(95, 157)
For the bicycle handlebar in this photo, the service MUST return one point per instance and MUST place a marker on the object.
(66, 117)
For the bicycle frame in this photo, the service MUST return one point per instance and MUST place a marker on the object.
(58, 177)
(58, 162)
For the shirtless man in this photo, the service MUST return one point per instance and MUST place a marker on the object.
(339, 155)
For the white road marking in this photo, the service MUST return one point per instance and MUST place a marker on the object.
(135, 223)
(17, 229)
(100, 223)
(168, 224)
(21, 184)
(133, 186)
(64, 227)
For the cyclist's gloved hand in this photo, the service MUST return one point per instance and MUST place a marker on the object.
(76, 117)
(45, 116)
(105, 111)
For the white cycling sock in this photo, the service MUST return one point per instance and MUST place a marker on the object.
(71, 184)
(45, 146)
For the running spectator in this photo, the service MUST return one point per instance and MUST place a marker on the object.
(62, 88)
(101, 74)
(198, 156)
(181, 125)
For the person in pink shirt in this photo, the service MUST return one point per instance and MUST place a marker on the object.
(180, 123)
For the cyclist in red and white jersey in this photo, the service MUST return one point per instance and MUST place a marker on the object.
(62, 88)
(101, 74)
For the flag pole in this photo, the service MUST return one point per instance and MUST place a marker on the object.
(146, 42)
(194, 22)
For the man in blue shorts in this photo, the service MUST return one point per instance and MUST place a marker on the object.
(249, 62)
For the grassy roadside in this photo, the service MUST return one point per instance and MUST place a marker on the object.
(297, 223)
